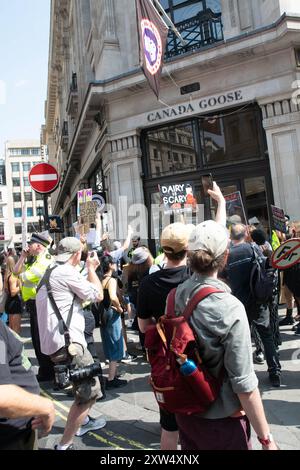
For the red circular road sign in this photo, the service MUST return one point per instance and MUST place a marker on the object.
(43, 178)
(287, 254)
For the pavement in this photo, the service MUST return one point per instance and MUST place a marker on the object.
(132, 414)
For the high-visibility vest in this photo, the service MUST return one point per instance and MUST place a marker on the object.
(275, 240)
(32, 275)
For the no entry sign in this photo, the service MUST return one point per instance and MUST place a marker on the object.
(43, 178)
(287, 254)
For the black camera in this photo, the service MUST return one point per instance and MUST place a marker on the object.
(64, 374)
(85, 373)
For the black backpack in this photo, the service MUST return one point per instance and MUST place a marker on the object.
(262, 279)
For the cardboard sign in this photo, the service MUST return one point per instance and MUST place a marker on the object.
(235, 209)
(84, 195)
(287, 254)
(88, 211)
(278, 219)
(178, 197)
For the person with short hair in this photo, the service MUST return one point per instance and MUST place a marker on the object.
(30, 268)
(69, 289)
(238, 271)
(221, 327)
(154, 290)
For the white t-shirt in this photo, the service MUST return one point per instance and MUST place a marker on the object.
(65, 281)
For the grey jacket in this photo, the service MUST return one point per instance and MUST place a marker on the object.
(222, 328)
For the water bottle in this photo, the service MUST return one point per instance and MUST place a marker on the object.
(188, 367)
(198, 382)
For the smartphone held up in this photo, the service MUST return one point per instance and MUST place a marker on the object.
(207, 183)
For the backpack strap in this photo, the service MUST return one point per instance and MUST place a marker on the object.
(194, 301)
(197, 298)
(171, 303)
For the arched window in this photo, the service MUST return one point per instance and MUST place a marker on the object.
(198, 21)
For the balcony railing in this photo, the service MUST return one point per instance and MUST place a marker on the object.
(201, 30)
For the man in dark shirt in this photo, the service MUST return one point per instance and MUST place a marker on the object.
(238, 273)
(153, 293)
(22, 410)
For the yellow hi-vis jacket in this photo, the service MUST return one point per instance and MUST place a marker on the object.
(32, 275)
(275, 240)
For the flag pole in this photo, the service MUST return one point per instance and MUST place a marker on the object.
(169, 23)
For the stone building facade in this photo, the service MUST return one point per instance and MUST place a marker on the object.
(105, 128)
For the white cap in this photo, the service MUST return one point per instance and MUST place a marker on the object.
(209, 236)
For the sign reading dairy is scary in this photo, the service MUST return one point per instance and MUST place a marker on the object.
(178, 196)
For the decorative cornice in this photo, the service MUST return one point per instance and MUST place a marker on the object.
(125, 143)
(280, 112)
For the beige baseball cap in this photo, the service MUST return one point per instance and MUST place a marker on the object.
(175, 237)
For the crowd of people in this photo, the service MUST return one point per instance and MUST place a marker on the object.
(70, 291)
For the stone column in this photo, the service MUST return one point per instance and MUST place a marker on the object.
(122, 168)
(281, 120)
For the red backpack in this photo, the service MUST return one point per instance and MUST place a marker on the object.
(170, 342)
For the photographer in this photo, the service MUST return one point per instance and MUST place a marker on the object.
(61, 326)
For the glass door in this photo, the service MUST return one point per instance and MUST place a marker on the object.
(257, 201)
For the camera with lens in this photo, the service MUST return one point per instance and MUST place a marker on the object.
(65, 374)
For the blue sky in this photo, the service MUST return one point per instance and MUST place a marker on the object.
(24, 43)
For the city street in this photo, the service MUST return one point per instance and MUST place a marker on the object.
(131, 412)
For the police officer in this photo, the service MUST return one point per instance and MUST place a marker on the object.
(31, 267)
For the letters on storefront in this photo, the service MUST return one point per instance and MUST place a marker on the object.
(194, 107)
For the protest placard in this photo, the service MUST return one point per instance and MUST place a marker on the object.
(278, 219)
(178, 197)
(235, 209)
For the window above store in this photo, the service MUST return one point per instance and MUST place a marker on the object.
(198, 21)
(231, 138)
(171, 150)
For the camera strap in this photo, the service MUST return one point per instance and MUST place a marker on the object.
(62, 326)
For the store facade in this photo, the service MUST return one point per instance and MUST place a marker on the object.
(239, 118)
(231, 146)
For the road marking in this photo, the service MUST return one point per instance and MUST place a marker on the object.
(133, 443)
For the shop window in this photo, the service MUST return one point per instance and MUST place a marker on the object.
(170, 143)
(233, 138)
(256, 200)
